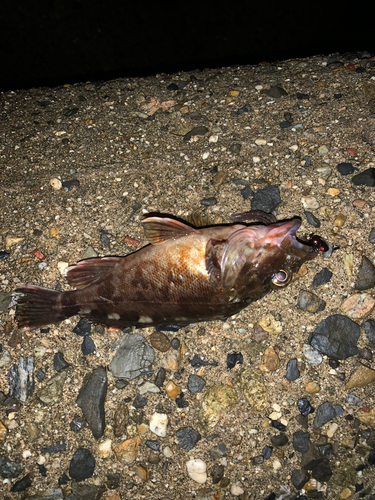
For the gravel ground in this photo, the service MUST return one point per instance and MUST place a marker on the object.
(173, 144)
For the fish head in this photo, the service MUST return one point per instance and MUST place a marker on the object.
(258, 258)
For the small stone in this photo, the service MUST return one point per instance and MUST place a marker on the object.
(252, 385)
(312, 355)
(366, 275)
(292, 371)
(324, 276)
(149, 387)
(299, 478)
(82, 465)
(246, 193)
(358, 305)
(279, 440)
(69, 185)
(346, 493)
(153, 445)
(259, 335)
(267, 452)
(82, 328)
(322, 150)
(365, 353)
(22, 484)
(312, 220)
(345, 168)
(187, 437)
(217, 473)
(11, 241)
(371, 236)
(158, 424)
(209, 202)
(87, 346)
(55, 183)
(217, 401)
(362, 376)
(324, 172)
(21, 379)
(271, 361)
(160, 377)
(333, 192)
(175, 343)
(200, 130)
(324, 413)
(235, 148)
(121, 419)
(304, 407)
(105, 449)
(196, 469)
(127, 451)
(270, 324)
(309, 203)
(236, 489)
(172, 390)
(218, 179)
(260, 142)
(9, 469)
(310, 302)
(159, 341)
(266, 199)
(233, 358)
(365, 178)
(332, 429)
(195, 383)
(52, 392)
(339, 220)
(276, 92)
(132, 357)
(301, 441)
(59, 362)
(369, 329)
(312, 388)
(359, 203)
(91, 400)
(336, 337)
(353, 152)
(142, 473)
(77, 424)
(218, 451)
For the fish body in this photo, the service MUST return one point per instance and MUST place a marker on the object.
(185, 275)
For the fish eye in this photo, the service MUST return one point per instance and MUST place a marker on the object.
(281, 278)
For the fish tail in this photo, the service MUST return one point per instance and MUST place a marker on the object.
(37, 307)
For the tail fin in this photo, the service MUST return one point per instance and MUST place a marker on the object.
(37, 307)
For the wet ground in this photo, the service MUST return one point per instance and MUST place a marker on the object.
(79, 167)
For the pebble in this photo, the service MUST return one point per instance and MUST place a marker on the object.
(322, 150)
(195, 383)
(91, 400)
(172, 390)
(158, 424)
(233, 358)
(196, 469)
(312, 220)
(216, 402)
(245, 109)
(209, 202)
(301, 441)
(59, 362)
(9, 469)
(5, 299)
(77, 424)
(353, 400)
(172, 360)
(217, 473)
(310, 302)
(69, 185)
(304, 406)
(246, 192)
(345, 168)
(353, 152)
(89, 252)
(21, 379)
(266, 199)
(133, 357)
(324, 172)
(11, 241)
(87, 346)
(252, 385)
(187, 437)
(366, 275)
(312, 355)
(267, 452)
(148, 387)
(299, 478)
(276, 91)
(160, 377)
(4, 255)
(218, 179)
(175, 343)
(82, 328)
(339, 220)
(336, 337)
(292, 371)
(82, 465)
(120, 419)
(159, 341)
(55, 183)
(22, 484)
(371, 236)
(359, 203)
(324, 413)
(362, 376)
(127, 451)
(269, 324)
(52, 392)
(309, 203)
(271, 361)
(322, 277)
(236, 489)
(369, 329)
(200, 130)
(139, 401)
(365, 178)
(218, 451)
(358, 305)
(105, 448)
(333, 192)
(279, 440)
(153, 445)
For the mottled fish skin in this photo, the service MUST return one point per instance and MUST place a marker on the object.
(184, 276)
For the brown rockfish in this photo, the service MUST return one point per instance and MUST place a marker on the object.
(185, 275)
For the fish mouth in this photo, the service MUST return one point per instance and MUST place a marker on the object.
(285, 235)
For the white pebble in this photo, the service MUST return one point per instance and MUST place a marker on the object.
(205, 155)
(168, 452)
(276, 465)
(197, 470)
(213, 138)
(55, 183)
(260, 142)
(332, 429)
(61, 266)
(309, 203)
(158, 424)
(105, 449)
(236, 489)
(149, 387)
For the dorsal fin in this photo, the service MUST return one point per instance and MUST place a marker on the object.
(159, 229)
(87, 271)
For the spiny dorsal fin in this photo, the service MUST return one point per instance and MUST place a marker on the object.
(87, 271)
(159, 229)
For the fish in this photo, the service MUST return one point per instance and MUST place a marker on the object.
(183, 275)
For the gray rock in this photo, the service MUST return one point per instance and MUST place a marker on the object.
(312, 219)
(195, 383)
(299, 478)
(82, 465)
(52, 391)
(366, 275)
(187, 437)
(369, 329)
(310, 302)
(301, 441)
(86, 492)
(59, 362)
(9, 469)
(279, 440)
(218, 451)
(371, 236)
(326, 412)
(365, 178)
(353, 400)
(336, 337)
(5, 299)
(91, 400)
(266, 199)
(322, 277)
(292, 371)
(21, 379)
(50, 494)
(133, 357)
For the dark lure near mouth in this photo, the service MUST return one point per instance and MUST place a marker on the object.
(185, 275)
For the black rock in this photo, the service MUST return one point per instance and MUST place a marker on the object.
(322, 277)
(104, 238)
(334, 363)
(292, 371)
(345, 168)
(326, 450)
(3, 255)
(301, 441)
(208, 202)
(169, 328)
(172, 87)
(301, 96)
(195, 383)
(259, 459)
(69, 185)
(285, 124)
(153, 445)
(200, 130)
(63, 479)
(121, 383)
(56, 448)
(279, 440)
(278, 425)
(276, 91)
(365, 178)
(366, 275)
(42, 470)
(187, 437)
(82, 328)
(180, 401)
(246, 192)
(59, 362)
(217, 473)
(21, 379)
(311, 219)
(40, 375)
(371, 457)
(267, 452)
(9, 469)
(266, 199)
(197, 361)
(87, 346)
(322, 472)
(233, 358)
(299, 478)
(160, 377)
(139, 401)
(22, 484)
(77, 424)
(91, 399)
(82, 465)
(113, 480)
(324, 413)
(218, 451)
(304, 407)
(336, 337)
(235, 149)
(369, 329)
(244, 109)
(371, 236)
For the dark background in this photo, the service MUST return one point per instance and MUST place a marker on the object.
(50, 42)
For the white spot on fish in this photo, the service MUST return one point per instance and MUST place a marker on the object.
(113, 316)
(181, 318)
(84, 311)
(145, 319)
